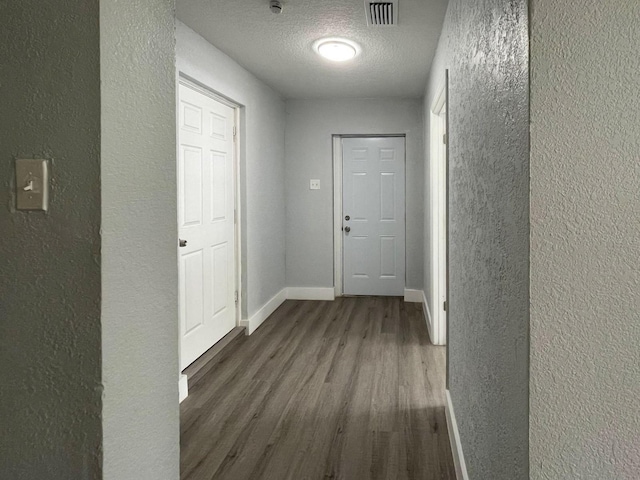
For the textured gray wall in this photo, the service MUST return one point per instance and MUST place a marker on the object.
(262, 168)
(50, 406)
(310, 124)
(585, 253)
(485, 46)
(139, 240)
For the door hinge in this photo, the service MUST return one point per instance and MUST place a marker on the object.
(234, 132)
(445, 138)
(235, 216)
(444, 305)
(235, 297)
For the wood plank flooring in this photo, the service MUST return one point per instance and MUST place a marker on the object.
(350, 389)
(202, 365)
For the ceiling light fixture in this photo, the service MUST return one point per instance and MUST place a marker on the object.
(336, 49)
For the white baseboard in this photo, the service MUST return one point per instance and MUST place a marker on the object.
(429, 321)
(427, 317)
(414, 296)
(261, 315)
(311, 293)
(307, 293)
(183, 387)
(454, 439)
(291, 293)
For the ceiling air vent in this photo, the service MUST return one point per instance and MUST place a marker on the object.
(381, 13)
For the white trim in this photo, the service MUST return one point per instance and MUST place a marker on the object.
(429, 321)
(454, 439)
(305, 293)
(427, 317)
(291, 293)
(194, 84)
(438, 212)
(261, 315)
(238, 211)
(337, 214)
(414, 296)
(183, 387)
(440, 99)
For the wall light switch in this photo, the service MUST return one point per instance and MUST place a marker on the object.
(314, 184)
(32, 184)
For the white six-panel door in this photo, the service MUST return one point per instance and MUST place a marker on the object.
(373, 209)
(205, 222)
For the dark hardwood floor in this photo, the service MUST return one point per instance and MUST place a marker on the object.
(350, 389)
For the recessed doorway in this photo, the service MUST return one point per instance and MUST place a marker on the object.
(370, 230)
(207, 219)
(438, 197)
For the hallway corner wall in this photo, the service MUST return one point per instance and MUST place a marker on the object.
(310, 124)
(484, 44)
(139, 241)
(585, 248)
(50, 345)
(262, 136)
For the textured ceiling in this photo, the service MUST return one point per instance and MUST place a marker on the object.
(394, 61)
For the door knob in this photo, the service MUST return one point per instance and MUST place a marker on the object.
(183, 243)
(347, 229)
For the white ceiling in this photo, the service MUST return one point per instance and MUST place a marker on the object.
(277, 49)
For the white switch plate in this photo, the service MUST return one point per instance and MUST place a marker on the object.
(314, 184)
(32, 184)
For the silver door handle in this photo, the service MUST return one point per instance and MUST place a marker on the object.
(347, 229)
(183, 243)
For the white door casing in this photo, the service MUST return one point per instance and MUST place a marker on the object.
(373, 197)
(206, 206)
(438, 192)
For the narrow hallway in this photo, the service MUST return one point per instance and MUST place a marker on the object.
(346, 389)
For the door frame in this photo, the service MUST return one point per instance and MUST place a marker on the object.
(199, 87)
(336, 140)
(447, 94)
(438, 191)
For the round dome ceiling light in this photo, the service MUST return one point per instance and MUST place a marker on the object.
(336, 49)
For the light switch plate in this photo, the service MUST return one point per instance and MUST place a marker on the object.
(314, 184)
(32, 184)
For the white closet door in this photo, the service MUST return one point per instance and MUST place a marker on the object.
(205, 222)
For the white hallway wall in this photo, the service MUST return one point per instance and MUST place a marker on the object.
(140, 414)
(262, 131)
(309, 127)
